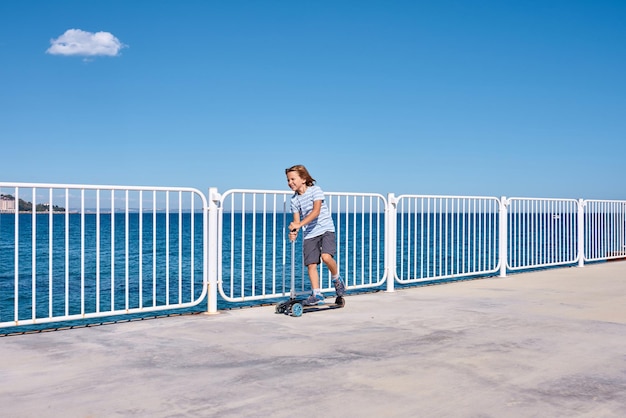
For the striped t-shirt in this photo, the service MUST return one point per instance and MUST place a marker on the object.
(303, 203)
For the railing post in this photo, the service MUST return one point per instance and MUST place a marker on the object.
(503, 234)
(581, 233)
(212, 249)
(390, 242)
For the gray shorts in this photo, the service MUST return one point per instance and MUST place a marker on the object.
(313, 248)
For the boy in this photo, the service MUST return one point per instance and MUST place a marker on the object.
(312, 215)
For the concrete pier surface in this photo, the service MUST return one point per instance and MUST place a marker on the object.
(549, 343)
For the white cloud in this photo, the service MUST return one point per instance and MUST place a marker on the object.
(79, 42)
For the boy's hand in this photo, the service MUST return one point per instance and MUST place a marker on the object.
(293, 234)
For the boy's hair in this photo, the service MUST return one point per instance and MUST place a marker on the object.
(303, 173)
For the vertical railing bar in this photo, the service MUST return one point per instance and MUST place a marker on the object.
(283, 243)
(67, 251)
(140, 249)
(573, 222)
(440, 245)
(232, 246)
(378, 234)
(428, 235)
(464, 222)
(486, 234)
(192, 249)
(587, 224)
(243, 244)
(33, 274)
(592, 227)
(370, 223)
(547, 231)
(362, 259)
(264, 245)
(457, 226)
(550, 230)
(346, 222)
(478, 231)
(523, 233)
(555, 239)
(594, 237)
(533, 231)
(600, 229)
(540, 229)
(126, 251)
(98, 225)
(345, 246)
(490, 239)
(421, 200)
(401, 213)
(446, 231)
(521, 206)
(253, 245)
(112, 249)
(412, 238)
(274, 230)
(561, 232)
(512, 230)
(473, 236)
(154, 247)
(50, 253)
(354, 244)
(613, 231)
(573, 218)
(554, 244)
(180, 246)
(16, 255)
(167, 248)
(82, 251)
(140, 258)
(406, 239)
(483, 205)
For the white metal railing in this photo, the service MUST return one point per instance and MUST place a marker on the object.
(541, 232)
(604, 229)
(443, 237)
(81, 251)
(255, 258)
(71, 252)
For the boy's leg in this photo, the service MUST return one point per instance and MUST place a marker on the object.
(330, 262)
(316, 298)
(328, 252)
(314, 276)
(340, 287)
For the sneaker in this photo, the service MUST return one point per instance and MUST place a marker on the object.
(313, 300)
(340, 288)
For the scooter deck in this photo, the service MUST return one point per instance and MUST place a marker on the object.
(295, 307)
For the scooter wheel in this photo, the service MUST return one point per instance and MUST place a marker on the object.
(297, 309)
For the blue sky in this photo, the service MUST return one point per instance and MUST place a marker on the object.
(490, 98)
